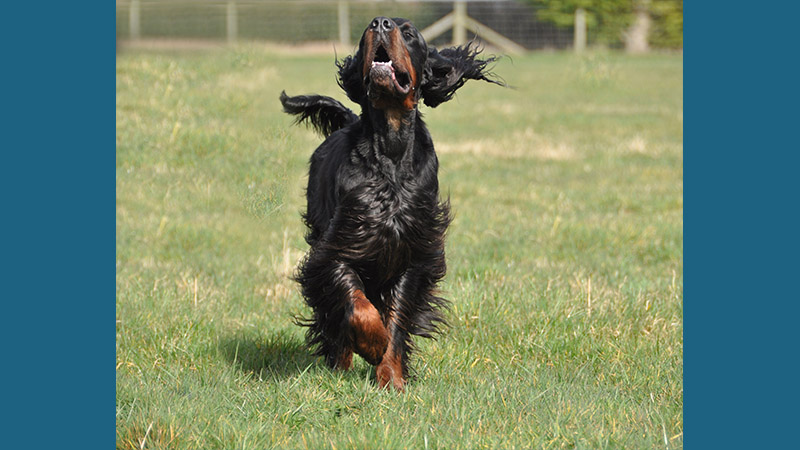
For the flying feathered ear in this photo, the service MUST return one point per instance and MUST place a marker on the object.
(350, 77)
(448, 69)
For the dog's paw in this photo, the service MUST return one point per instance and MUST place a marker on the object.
(390, 373)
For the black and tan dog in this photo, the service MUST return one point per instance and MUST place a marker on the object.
(376, 222)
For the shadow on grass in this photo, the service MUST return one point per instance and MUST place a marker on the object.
(279, 355)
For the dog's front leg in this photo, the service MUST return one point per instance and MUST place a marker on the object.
(344, 319)
(368, 334)
(415, 309)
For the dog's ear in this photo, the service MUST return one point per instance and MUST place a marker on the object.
(448, 69)
(350, 78)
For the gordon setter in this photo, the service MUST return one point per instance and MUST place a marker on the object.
(376, 224)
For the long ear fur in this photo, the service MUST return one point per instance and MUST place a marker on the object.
(325, 114)
(448, 69)
(350, 77)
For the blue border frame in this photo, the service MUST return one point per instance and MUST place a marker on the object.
(741, 189)
(58, 224)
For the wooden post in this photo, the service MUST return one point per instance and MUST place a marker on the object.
(344, 23)
(438, 28)
(636, 35)
(232, 22)
(580, 30)
(459, 23)
(134, 20)
(494, 37)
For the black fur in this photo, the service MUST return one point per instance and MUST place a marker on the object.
(375, 221)
(449, 69)
(325, 114)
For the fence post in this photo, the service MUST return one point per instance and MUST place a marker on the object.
(636, 35)
(580, 30)
(344, 23)
(134, 21)
(232, 22)
(459, 22)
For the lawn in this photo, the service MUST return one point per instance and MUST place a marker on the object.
(565, 260)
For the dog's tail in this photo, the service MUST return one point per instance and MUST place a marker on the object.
(324, 113)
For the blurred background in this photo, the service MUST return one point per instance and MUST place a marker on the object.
(512, 25)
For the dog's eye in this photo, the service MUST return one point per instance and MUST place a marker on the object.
(408, 34)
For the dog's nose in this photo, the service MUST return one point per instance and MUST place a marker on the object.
(382, 24)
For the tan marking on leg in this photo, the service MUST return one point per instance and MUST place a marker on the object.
(345, 360)
(369, 335)
(390, 371)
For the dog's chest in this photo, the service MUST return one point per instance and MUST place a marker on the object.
(389, 219)
(388, 228)
(391, 210)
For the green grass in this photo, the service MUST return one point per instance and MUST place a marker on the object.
(565, 261)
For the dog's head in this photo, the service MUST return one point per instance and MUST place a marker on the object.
(394, 68)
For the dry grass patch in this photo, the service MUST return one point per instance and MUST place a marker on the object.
(249, 81)
(520, 144)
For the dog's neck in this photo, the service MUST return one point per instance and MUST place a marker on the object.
(393, 133)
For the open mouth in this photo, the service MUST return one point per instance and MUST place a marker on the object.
(383, 73)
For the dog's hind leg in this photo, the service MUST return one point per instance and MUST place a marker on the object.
(344, 361)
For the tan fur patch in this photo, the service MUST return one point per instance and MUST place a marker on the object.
(390, 371)
(369, 334)
(345, 360)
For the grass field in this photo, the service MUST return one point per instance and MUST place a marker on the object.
(565, 261)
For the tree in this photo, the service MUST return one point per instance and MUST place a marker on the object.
(605, 19)
(667, 31)
(610, 22)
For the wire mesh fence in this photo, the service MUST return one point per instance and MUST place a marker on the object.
(303, 21)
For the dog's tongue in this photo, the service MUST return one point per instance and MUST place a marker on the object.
(382, 72)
